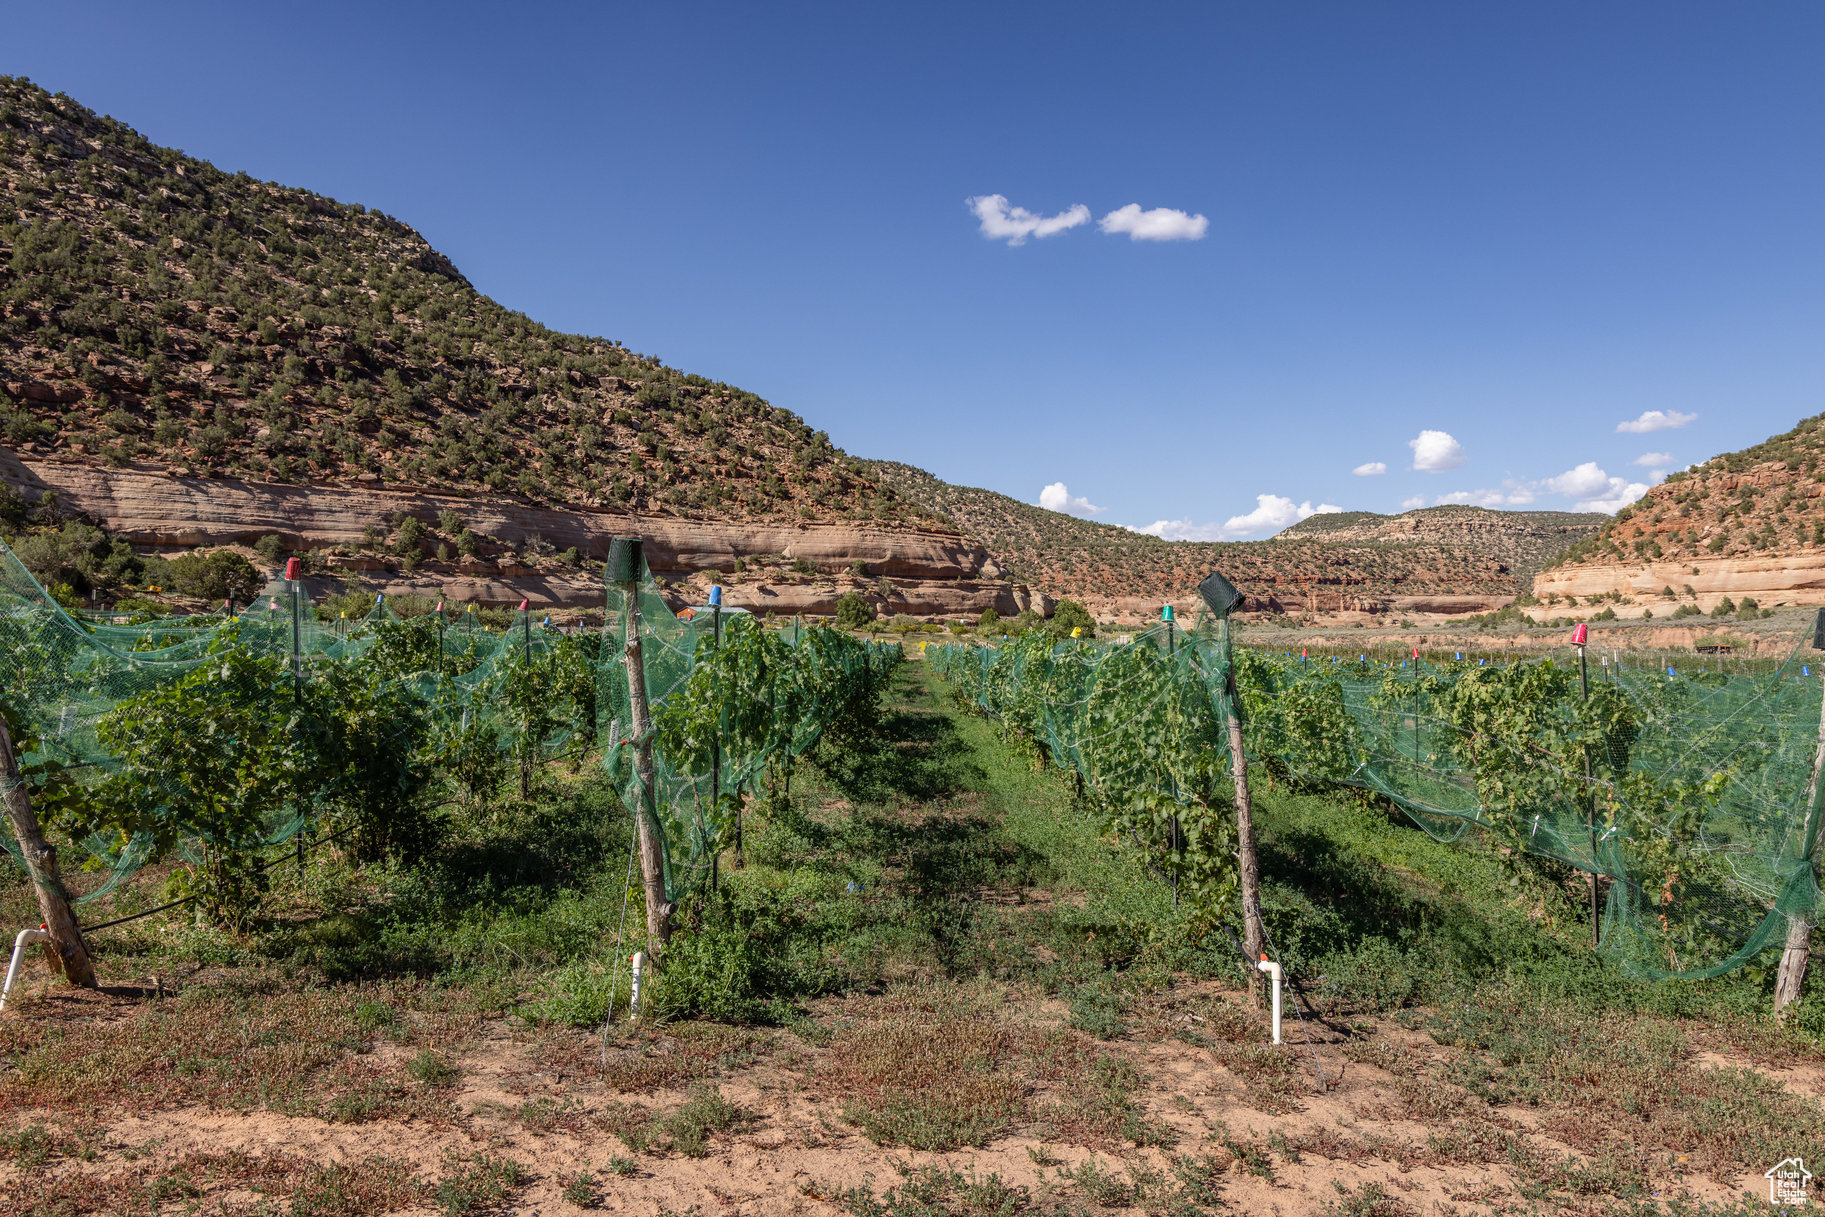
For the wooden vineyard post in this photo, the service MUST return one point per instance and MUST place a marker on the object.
(1175, 832)
(526, 665)
(292, 575)
(1579, 638)
(1222, 597)
(71, 953)
(1798, 947)
(624, 561)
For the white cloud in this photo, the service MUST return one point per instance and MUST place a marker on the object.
(1594, 489)
(1372, 469)
(1435, 451)
(1655, 420)
(1654, 460)
(1583, 482)
(1515, 496)
(1056, 498)
(1158, 224)
(1016, 224)
(1621, 493)
(1271, 514)
(1418, 500)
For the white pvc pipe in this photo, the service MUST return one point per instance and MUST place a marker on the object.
(1273, 971)
(633, 998)
(25, 939)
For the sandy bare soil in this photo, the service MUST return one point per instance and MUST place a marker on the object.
(1188, 1110)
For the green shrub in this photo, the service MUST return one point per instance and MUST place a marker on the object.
(215, 576)
(853, 612)
(1069, 616)
(745, 963)
(706, 1112)
(1376, 975)
(83, 556)
(1096, 1009)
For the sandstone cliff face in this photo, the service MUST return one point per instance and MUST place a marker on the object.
(148, 508)
(1772, 579)
(932, 573)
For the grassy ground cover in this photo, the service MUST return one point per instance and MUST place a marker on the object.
(935, 987)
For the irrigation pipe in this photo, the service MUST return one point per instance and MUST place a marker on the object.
(258, 870)
(614, 985)
(25, 939)
(1255, 963)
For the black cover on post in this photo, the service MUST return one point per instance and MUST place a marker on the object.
(1818, 632)
(1219, 593)
(624, 555)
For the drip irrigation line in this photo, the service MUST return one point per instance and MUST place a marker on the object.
(1249, 964)
(614, 984)
(258, 870)
(1303, 1029)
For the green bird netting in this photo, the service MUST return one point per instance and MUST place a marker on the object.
(728, 698)
(180, 736)
(1692, 790)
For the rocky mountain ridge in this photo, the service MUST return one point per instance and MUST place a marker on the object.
(161, 310)
(1742, 523)
(1523, 540)
(1435, 560)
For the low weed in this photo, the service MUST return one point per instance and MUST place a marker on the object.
(654, 1057)
(373, 1185)
(704, 1114)
(931, 1074)
(433, 1070)
(1100, 1107)
(1099, 1185)
(1367, 1200)
(29, 1147)
(581, 1190)
(1653, 1103)
(1097, 1010)
(483, 1185)
(931, 1191)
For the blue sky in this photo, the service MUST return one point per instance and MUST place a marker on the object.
(1514, 227)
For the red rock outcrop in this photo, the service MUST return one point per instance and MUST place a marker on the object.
(930, 573)
(1771, 579)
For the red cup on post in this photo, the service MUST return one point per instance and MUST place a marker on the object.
(1580, 634)
(291, 568)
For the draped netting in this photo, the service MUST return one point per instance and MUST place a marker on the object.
(729, 698)
(410, 697)
(1691, 789)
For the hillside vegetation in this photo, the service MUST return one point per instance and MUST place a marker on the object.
(1435, 551)
(1768, 499)
(1523, 540)
(158, 309)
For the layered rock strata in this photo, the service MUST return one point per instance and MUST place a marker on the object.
(922, 572)
(1771, 580)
